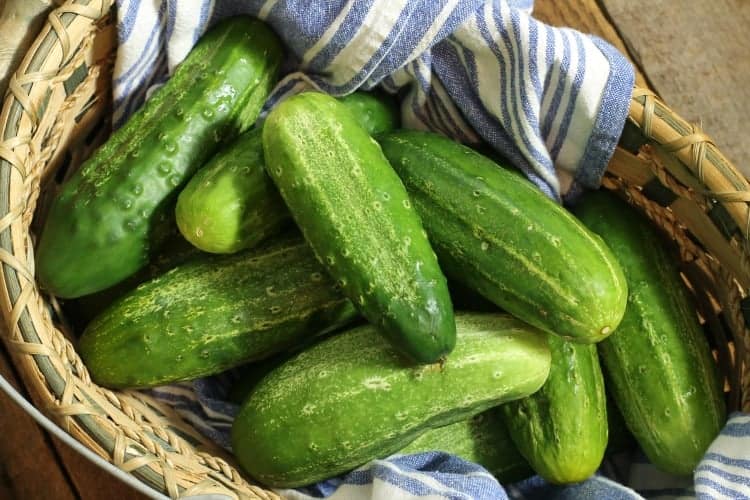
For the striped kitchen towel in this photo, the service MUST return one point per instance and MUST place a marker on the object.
(725, 470)
(551, 100)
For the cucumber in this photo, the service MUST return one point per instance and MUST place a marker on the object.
(214, 313)
(103, 224)
(660, 370)
(496, 233)
(353, 398)
(482, 439)
(174, 252)
(355, 213)
(376, 112)
(562, 428)
(231, 204)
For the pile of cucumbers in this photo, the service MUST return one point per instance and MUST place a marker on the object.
(323, 248)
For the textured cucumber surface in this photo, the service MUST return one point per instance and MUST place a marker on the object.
(496, 233)
(562, 428)
(230, 204)
(102, 226)
(214, 313)
(356, 215)
(658, 363)
(352, 398)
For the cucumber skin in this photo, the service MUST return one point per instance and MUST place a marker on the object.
(658, 364)
(230, 204)
(352, 398)
(355, 213)
(496, 233)
(377, 113)
(482, 439)
(102, 225)
(562, 429)
(212, 314)
(173, 252)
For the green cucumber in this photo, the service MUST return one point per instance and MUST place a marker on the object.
(103, 224)
(174, 252)
(498, 234)
(231, 204)
(356, 215)
(377, 113)
(214, 313)
(482, 439)
(562, 428)
(658, 363)
(353, 398)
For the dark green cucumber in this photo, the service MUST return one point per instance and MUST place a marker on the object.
(212, 314)
(352, 397)
(231, 204)
(659, 367)
(173, 252)
(562, 428)
(103, 224)
(494, 231)
(482, 439)
(356, 215)
(376, 112)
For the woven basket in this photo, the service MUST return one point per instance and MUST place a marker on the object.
(55, 113)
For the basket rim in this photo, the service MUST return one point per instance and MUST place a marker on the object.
(658, 123)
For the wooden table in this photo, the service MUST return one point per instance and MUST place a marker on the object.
(695, 57)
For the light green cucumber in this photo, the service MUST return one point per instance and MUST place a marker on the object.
(214, 313)
(231, 204)
(352, 397)
(497, 233)
(562, 428)
(658, 363)
(357, 217)
(103, 225)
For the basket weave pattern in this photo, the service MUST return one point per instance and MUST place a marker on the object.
(54, 114)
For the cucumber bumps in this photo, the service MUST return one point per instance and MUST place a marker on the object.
(356, 215)
(213, 313)
(352, 398)
(102, 225)
(496, 233)
(658, 363)
(231, 204)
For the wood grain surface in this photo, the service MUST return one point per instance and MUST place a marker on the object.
(36, 465)
(585, 16)
(697, 54)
